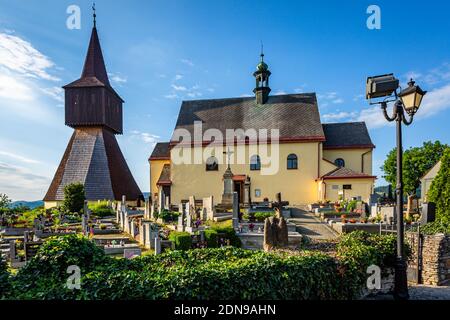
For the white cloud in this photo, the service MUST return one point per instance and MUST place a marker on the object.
(118, 79)
(178, 77)
(436, 101)
(20, 56)
(194, 94)
(20, 183)
(246, 95)
(171, 96)
(339, 116)
(17, 157)
(145, 137)
(56, 93)
(188, 62)
(13, 88)
(178, 88)
(279, 92)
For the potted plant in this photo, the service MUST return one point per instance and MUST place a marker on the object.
(352, 221)
(251, 226)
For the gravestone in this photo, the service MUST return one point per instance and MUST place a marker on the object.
(374, 210)
(189, 223)
(152, 210)
(235, 218)
(147, 209)
(161, 201)
(247, 192)
(180, 226)
(84, 224)
(167, 203)
(192, 207)
(387, 213)
(157, 245)
(428, 213)
(131, 253)
(276, 233)
(208, 207)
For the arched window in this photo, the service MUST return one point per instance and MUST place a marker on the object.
(292, 161)
(212, 164)
(255, 163)
(339, 162)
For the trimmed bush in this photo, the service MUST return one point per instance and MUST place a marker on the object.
(230, 234)
(168, 216)
(181, 240)
(45, 276)
(212, 238)
(222, 273)
(4, 279)
(262, 216)
(101, 209)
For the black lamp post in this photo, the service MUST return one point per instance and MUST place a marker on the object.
(409, 102)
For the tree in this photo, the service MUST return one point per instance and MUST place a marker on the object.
(4, 201)
(416, 162)
(439, 192)
(74, 197)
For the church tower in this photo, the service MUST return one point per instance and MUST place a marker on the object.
(262, 75)
(93, 157)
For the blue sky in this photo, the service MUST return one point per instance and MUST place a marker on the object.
(159, 53)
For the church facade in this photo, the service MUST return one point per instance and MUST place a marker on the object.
(292, 152)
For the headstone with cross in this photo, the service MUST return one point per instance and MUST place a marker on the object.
(278, 205)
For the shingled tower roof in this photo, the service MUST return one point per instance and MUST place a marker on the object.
(93, 156)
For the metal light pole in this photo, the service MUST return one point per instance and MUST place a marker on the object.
(410, 100)
(401, 281)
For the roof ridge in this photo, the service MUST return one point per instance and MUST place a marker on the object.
(250, 97)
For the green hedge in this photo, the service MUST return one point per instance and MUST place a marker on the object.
(181, 240)
(230, 234)
(439, 192)
(168, 216)
(219, 273)
(101, 209)
(4, 279)
(212, 238)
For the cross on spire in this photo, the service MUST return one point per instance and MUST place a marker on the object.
(94, 15)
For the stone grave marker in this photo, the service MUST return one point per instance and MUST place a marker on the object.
(208, 207)
(131, 253)
(235, 210)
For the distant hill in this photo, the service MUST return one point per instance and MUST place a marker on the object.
(29, 204)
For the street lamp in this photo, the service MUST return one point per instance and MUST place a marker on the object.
(408, 100)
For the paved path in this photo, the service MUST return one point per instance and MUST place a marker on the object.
(308, 225)
(423, 292)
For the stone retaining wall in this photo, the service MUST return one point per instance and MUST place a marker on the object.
(435, 258)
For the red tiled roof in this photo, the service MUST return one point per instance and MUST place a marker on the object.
(345, 173)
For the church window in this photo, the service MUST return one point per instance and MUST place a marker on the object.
(255, 163)
(339, 162)
(292, 161)
(212, 164)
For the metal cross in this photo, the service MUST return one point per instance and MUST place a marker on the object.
(228, 153)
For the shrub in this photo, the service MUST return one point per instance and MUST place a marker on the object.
(219, 273)
(181, 240)
(229, 233)
(168, 216)
(4, 279)
(438, 226)
(439, 192)
(101, 209)
(212, 238)
(261, 216)
(74, 197)
(45, 275)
